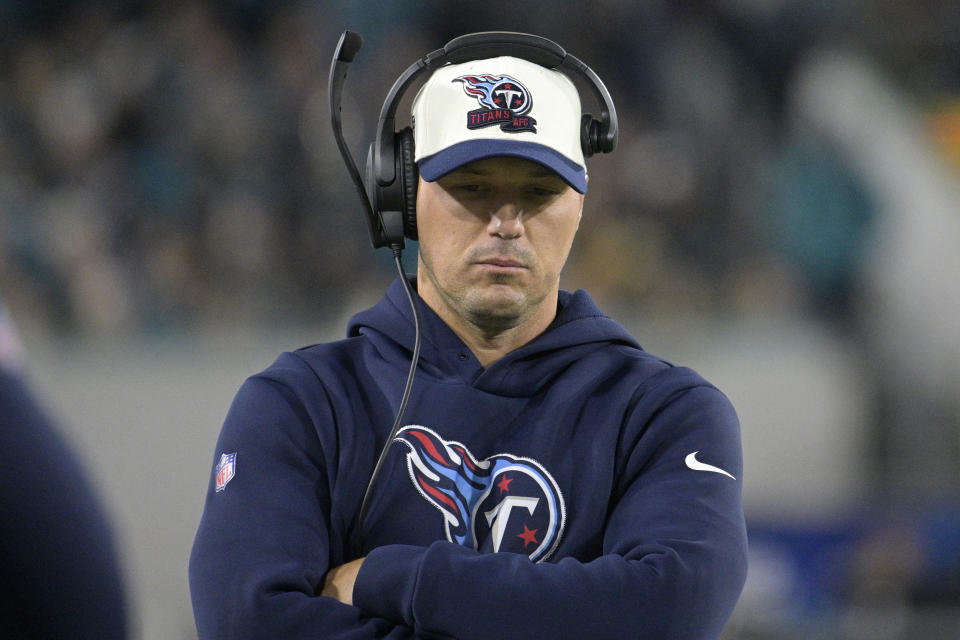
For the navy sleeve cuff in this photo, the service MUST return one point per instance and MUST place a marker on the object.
(386, 582)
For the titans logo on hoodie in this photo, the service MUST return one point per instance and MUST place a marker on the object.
(485, 503)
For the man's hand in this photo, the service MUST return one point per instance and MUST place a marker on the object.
(338, 582)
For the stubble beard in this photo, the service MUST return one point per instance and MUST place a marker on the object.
(494, 317)
(475, 303)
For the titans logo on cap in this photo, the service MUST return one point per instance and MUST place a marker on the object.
(503, 100)
(503, 503)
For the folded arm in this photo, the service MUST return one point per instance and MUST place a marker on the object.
(264, 544)
(673, 563)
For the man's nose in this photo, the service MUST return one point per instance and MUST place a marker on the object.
(506, 221)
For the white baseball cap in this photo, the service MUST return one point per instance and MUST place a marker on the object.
(502, 106)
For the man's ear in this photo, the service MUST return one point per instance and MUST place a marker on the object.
(583, 197)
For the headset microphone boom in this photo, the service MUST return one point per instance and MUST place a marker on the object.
(347, 48)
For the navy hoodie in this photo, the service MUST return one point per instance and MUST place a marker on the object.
(579, 487)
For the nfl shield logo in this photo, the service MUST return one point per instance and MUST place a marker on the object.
(226, 469)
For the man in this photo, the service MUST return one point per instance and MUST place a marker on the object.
(552, 479)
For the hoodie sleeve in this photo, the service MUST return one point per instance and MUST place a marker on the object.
(674, 548)
(263, 544)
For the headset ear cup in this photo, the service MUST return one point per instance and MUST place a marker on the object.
(410, 176)
(370, 181)
(589, 135)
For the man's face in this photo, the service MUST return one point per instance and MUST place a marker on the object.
(494, 235)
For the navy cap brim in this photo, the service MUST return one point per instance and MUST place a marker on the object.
(453, 157)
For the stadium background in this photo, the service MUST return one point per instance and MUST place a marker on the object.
(782, 214)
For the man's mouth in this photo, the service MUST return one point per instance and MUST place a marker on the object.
(502, 262)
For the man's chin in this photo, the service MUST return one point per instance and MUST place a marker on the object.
(498, 307)
(497, 304)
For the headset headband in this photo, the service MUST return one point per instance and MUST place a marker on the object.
(489, 44)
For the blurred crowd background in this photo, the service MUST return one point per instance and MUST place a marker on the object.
(786, 186)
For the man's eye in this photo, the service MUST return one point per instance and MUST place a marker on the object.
(543, 192)
(469, 188)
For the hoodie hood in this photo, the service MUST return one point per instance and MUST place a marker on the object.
(578, 329)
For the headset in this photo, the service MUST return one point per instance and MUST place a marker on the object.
(388, 189)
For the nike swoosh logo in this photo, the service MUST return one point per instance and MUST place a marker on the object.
(696, 465)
